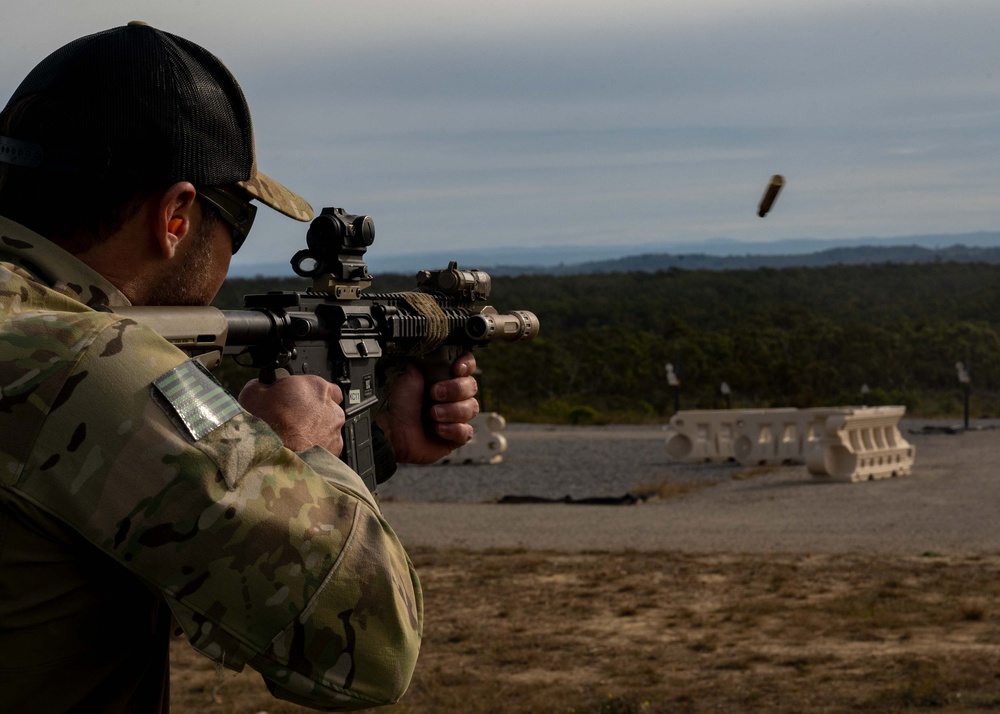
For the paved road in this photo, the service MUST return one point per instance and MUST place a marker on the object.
(949, 505)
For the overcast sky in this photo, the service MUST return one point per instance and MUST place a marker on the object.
(526, 123)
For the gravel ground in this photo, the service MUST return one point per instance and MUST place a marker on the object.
(949, 505)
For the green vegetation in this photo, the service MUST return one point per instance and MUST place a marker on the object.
(800, 337)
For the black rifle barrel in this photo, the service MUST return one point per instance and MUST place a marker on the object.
(250, 327)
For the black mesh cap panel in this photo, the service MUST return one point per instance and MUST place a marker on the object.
(143, 103)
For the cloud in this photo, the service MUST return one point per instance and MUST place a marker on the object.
(520, 123)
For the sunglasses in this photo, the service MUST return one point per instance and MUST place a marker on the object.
(236, 211)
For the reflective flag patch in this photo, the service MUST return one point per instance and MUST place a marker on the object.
(195, 398)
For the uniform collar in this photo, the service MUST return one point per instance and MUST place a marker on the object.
(55, 267)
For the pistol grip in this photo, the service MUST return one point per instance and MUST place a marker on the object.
(437, 367)
(270, 376)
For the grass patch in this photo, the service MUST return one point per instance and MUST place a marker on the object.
(520, 632)
(666, 490)
(752, 472)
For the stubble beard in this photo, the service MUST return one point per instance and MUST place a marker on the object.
(189, 281)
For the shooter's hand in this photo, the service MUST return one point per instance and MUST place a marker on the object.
(454, 406)
(303, 410)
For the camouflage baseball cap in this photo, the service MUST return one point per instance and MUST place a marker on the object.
(137, 103)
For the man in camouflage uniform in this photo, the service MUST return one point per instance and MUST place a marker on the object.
(137, 497)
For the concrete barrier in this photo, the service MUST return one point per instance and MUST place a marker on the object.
(842, 443)
(778, 436)
(862, 444)
(750, 436)
(697, 436)
(487, 445)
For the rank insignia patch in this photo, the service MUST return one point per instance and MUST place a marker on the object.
(195, 398)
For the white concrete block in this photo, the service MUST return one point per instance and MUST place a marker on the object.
(488, 444)
(696, 436)
(862, 445)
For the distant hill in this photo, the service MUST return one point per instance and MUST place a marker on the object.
(716, 254)
(862, 255)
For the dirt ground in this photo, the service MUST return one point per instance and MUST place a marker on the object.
(749, 617)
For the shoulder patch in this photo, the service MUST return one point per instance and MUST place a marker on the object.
(191, 395)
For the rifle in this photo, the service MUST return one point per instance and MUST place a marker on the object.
(336, 330)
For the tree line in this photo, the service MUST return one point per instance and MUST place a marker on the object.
(800, 337)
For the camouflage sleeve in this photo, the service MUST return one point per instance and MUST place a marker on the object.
(266, 557)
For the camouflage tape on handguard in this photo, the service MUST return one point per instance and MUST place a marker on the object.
(437, 322)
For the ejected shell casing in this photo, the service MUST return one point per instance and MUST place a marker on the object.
(777, 181)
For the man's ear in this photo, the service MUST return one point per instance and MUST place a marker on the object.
(173, 218)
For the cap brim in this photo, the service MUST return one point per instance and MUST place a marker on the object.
(273, 194)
